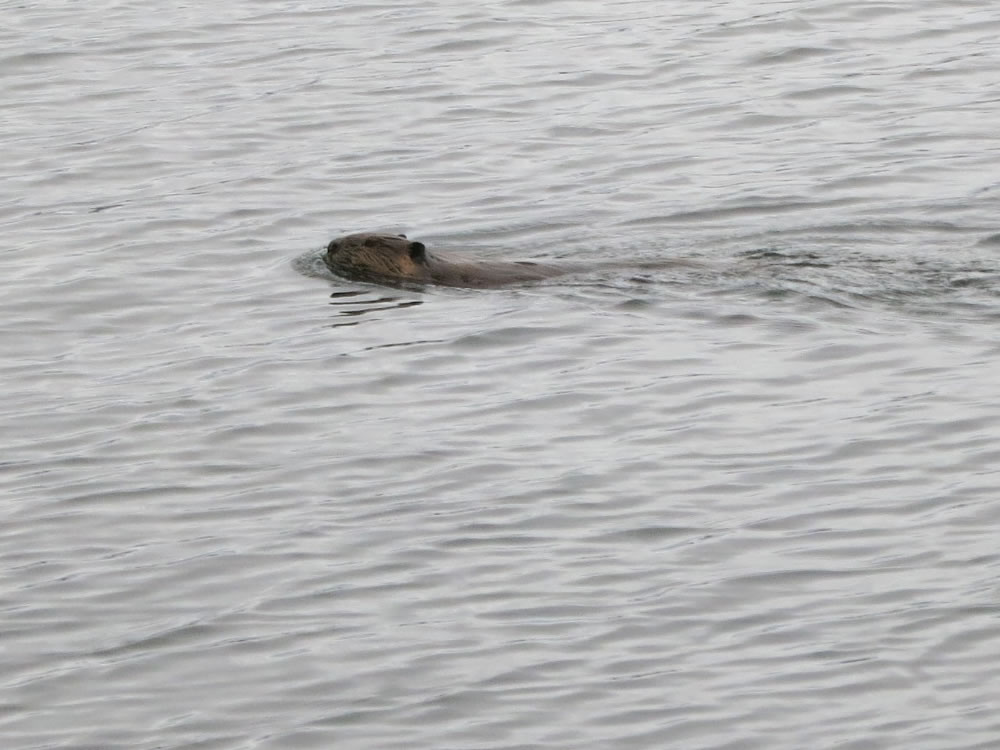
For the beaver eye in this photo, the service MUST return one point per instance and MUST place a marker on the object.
(418, 252)
(403, 236)
(333, 246)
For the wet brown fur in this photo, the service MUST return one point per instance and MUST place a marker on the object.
(393, 259)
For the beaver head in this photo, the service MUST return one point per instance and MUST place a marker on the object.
(378, 257)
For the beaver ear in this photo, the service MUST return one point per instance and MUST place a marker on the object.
(418, 252)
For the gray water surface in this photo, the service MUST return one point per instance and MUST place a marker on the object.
(749, 501)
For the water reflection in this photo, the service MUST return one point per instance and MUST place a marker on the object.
(360, 302)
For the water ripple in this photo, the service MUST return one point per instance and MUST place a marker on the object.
(743, 501)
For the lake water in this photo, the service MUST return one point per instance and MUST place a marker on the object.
(748, 501)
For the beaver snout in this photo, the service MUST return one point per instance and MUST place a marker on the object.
(333, 246)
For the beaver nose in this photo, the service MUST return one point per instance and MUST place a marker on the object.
(332, 247)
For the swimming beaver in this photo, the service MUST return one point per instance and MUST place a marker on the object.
(393, 259)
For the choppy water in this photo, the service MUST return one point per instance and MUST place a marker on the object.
(750, 503)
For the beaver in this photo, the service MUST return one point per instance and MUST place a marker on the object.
(394, 260)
